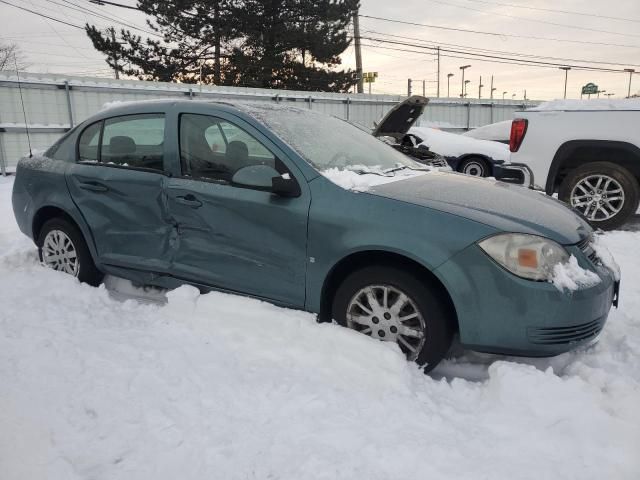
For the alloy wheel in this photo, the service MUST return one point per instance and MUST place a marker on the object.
(474, 169)
(598, 197)
(59, 253)
(386, 313)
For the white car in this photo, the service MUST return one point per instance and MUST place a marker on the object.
(588, 152)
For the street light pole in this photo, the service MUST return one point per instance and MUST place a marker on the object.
(566, 76)
(449, 75)
(466, 82)
(480, 88)
(503, 94)
(463, 68)
(631, 72)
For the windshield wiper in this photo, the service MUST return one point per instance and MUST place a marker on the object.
(405, 167)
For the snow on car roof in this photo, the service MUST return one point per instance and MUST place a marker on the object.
(588, 105)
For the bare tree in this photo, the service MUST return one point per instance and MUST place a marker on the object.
(10, 55)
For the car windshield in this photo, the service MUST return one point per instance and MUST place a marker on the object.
(328, 142)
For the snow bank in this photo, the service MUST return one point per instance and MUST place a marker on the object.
(454, 145)
(604, 255)
(593, 104)
(220, 386)
(570, 276)
(361, 182)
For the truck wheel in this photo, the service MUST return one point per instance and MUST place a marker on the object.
(393, 305)
(475, 166)
(605, 193)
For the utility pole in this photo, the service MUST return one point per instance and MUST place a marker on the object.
(492, 89)
(449, 75)
(480, 85)
(525, 95)
(438, 91)
(631, 72)
(424, 88)
(463, 68)
(356, 37)
(408, 87)
(503, 94)
(566, 76)
(114, 53)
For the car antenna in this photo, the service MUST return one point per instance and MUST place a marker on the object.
(24, 112)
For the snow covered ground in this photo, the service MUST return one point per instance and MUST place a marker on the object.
(217, 386)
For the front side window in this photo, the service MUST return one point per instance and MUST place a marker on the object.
(135, 141)
(215, 149)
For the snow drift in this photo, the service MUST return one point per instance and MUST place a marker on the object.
(219, 386)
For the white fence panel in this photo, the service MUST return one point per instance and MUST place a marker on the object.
(54, 103)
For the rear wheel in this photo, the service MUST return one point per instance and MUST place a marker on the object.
(475, 166)
(395, 306)
(605, 193)
(62, 247)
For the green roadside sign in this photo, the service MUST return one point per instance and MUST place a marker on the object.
(590, 89)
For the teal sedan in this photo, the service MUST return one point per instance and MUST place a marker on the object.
(306, 211)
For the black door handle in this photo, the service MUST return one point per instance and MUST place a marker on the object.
(93, 187)
(189, 201)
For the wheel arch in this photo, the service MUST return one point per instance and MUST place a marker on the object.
(490, 162)
(47, 212)
(360, 259)
(575, 153)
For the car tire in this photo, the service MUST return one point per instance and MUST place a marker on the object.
(61, 246)
(613, 186)
(434, 318)
(475, 167)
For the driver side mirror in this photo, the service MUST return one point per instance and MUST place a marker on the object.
(264, 177)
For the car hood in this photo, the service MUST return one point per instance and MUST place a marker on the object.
(397, 122)
(509, 208)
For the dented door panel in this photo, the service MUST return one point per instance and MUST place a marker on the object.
(127, 212)
(240, 239)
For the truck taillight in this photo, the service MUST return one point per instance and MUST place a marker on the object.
(518, 131)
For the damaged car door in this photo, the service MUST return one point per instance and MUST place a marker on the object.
(238, 230)
(117, 183)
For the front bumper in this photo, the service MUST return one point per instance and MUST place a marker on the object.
(516, 173)
(499, 312)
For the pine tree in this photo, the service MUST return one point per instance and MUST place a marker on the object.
(293, 44)
(194, 36)
(290, 44)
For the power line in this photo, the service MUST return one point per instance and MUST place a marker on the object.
(104, 2)
(488, 58)
(553, 10)
(542, 57)
(495, 34)
(564, 25)
(113, 18)
(484, 55)
(42, 15)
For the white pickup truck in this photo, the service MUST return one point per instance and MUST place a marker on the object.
(588, 152)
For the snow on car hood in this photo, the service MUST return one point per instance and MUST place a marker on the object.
(453, 145)
(509, 208)
(360, 180)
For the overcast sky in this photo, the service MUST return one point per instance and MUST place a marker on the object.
(53, 47)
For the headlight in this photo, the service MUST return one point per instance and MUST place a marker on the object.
(527, 256)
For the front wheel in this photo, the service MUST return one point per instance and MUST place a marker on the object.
(393, 305)
(605, 193)
(62, 247)
(476, 167)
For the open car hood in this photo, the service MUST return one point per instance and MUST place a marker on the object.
(397, 122)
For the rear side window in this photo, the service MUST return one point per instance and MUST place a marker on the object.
(134, 141)
(88, 143)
